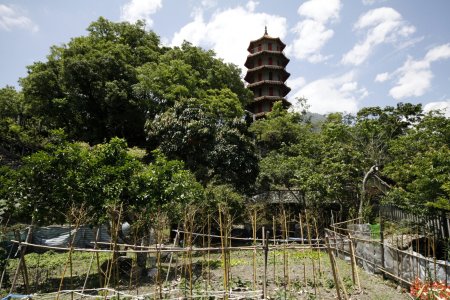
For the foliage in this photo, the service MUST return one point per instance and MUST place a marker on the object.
(97, 178)
(187, 72)
(85, 86)
(421, 165)
(214, 149)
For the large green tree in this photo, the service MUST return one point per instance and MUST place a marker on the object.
(52, 181)
(86, 86)
(421, 166)
(216, 147)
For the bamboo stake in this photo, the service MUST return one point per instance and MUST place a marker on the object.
(22, 265)
(92, 260)
(274, 253)
(317, 246)
(301, 228)
(158, 253)
(254, 251)
(133, 263)
(69, 258)
(190, 224)
(175, 241)
(337, 280)
(355, 275)
(223, 242)
(312, 259)
(266, 253)
(209, 245)
(112, 264)
(285, 235)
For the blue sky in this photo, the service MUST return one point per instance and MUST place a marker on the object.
(345, 54)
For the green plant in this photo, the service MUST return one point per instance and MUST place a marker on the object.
(348, 283)
(329, 283)
(240, 283)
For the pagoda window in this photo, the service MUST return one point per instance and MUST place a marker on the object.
(270, 75)
(259, 61)
(259, 76)
(260, 92)
(270, 91)
(270, 61)
(259, 47)
(269, 46)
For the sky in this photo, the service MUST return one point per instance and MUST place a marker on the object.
(344, 54)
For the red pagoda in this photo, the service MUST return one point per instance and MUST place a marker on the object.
(266, 74)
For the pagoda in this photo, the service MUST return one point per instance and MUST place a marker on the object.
(266, 74)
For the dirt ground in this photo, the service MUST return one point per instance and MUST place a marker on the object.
(308, 275)
(291, 274)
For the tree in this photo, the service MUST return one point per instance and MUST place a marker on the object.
(421, 166)
(213, 145)
(86, 86)
(98, 178)
(188, 72)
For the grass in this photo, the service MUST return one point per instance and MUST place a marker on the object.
(375, 230)
(55, 260)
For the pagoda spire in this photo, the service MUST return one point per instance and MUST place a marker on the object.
(265, 30)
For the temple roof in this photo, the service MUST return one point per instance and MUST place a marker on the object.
(266, 37)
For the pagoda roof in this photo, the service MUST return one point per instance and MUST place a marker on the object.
(266, 36)
(285, 89)
(283, 71)
(250, 57)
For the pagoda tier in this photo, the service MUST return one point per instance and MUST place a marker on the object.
(266, 74)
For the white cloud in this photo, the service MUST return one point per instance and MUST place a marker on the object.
(382, 77)
(140, 10)
(333, 94)
(414, 77)
(384, 25)
(371, 2)
(209, 3)
(251, 5)
(312, 32)
(437, 53)
(230, 39)
(11, 17)
(442, 106)
(295, 83)
(320, 10)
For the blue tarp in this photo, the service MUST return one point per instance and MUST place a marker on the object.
(17, 296)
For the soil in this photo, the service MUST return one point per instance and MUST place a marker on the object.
(291, 274)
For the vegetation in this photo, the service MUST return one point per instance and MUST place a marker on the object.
(65, 138)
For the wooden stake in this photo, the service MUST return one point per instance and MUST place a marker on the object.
(91, 261)
(254, 250)
(175, 241)
(274, 252)
(355, 275)
(335, 272)
(266, 253)
(301, 228)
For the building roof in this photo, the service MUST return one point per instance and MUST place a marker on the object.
(266, 37)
